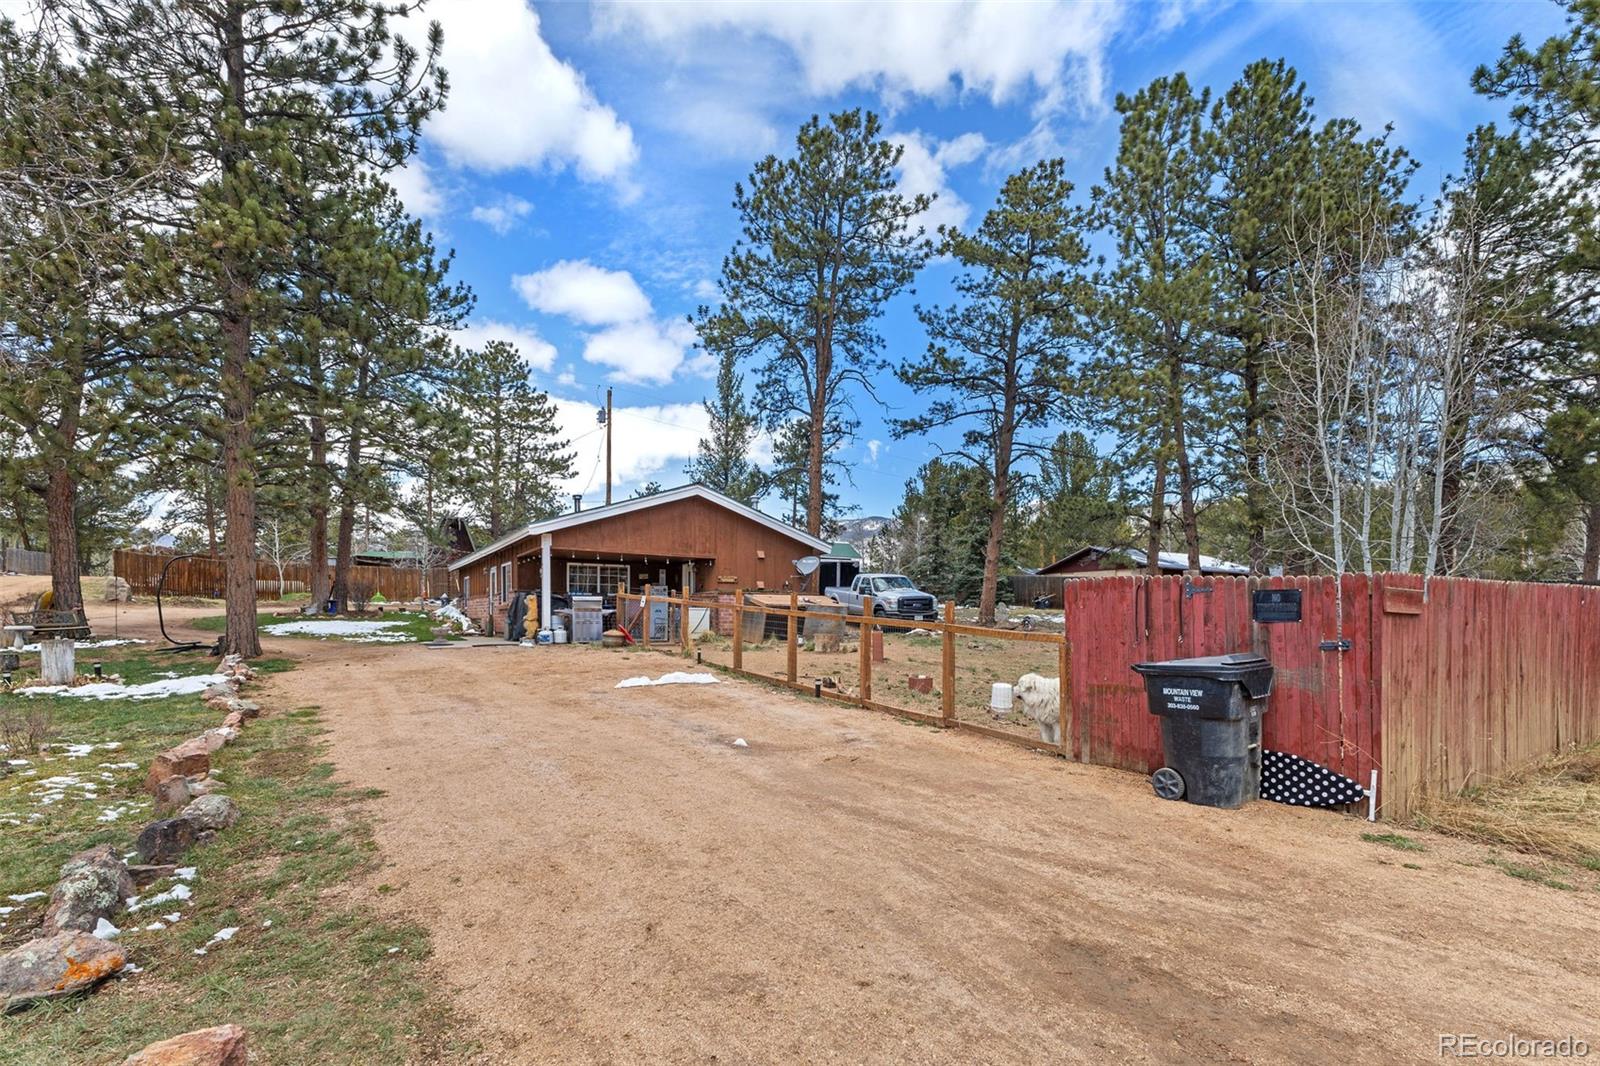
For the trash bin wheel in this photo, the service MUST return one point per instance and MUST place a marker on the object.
(1168, 783)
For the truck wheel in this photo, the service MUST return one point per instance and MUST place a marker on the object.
(1168, 783)
(877, 610)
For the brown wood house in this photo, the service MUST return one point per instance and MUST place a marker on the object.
(688, 539)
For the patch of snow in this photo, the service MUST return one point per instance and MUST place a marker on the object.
(221, 936)
(267, 924)
(120, 765)
(25, 897)
(105, 930)
(154, 927)
(359, 632)
(131, 968)
(669, 679)
(176, 894)
(739, 742)
(18, 762)
(184, 873)
(107, 690)
(115, 811)
(174, 916)
(90, 644)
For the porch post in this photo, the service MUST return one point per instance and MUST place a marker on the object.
(544, 581)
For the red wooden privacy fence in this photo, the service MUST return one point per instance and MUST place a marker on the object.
(1432, 691)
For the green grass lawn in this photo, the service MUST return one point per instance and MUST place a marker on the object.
(414, 625)
(328, 980)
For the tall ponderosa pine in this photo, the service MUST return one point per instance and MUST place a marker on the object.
(1260, 141)
(999, 359)
(828, 239)
(264, 96)
(73, 165)
(723, 460)
(1157, 305)
(1555, 90)
(517, 457)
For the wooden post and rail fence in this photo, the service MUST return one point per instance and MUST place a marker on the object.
(1435, 688)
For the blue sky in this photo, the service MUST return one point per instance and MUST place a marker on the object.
(584, 168)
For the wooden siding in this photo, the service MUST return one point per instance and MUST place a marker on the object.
(725, 547)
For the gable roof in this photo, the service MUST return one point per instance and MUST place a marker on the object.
(1173, 561)
(640, 503)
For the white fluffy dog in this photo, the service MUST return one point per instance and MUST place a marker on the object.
(1041, 701)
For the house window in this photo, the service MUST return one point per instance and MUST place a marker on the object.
(505, 582)
(595, 579)
(494, 586)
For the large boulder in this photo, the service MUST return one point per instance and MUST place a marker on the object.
(93, 885)
(118, 590)
(190, 758)
(50, 967)
(213, 811)
(222, 1045)
(165, 841)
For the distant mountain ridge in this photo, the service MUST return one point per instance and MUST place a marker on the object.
(857, 531)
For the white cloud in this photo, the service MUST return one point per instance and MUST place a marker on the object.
(629, 340)
(415, 185)
(996, 48)
(537, 352)
(874, 449)
(643, 351)
(513, 103)
(706, 289)
(924, 166)
(648, 441)
(502, 214)
(579, 290)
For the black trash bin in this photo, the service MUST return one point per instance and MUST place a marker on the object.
(1210, 711)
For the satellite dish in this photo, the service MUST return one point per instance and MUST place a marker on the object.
(808, 565)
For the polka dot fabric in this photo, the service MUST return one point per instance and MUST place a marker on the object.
(1300, 782)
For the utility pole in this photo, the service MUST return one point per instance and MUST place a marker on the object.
(608, 446)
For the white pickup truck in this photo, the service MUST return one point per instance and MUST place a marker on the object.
(893, 596)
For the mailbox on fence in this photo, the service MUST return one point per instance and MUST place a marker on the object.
(1210, 710)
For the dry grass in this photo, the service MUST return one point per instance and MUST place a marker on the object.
(1550, 809)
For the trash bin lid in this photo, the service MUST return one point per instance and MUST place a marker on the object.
(1247, 668)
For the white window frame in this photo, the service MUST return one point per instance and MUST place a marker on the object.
(494, 585)
(505, 582)
(606, 577)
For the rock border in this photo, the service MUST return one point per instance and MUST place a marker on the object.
(69, 957)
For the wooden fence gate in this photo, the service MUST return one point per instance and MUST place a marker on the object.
(1433, 690)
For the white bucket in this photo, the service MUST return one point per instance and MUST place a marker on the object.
(1000, 698)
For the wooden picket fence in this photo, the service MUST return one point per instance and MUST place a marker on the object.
(204, 576)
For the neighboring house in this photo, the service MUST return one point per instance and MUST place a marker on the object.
(687, 539)
(1044, 584)
(1098, 562)
(839, 566)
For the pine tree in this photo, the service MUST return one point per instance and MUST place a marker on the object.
(517, 459)
(1077, 502)
(723, 461)
(260, 96)
(998, 359)
(827, 240)
(1158, 302)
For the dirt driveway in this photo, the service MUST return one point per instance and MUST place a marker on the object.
(609, 880)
